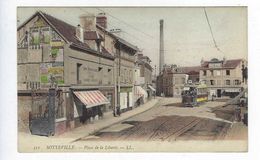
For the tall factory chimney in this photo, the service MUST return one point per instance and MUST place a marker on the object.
(161, 58)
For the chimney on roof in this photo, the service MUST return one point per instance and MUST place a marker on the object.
(102, 20)
(88, 22)
(80, 33)
(202, 61)
(139, 56)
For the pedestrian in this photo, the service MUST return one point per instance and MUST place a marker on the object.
(118, 110)
(238, 114)
(114, 113)
(212, 97)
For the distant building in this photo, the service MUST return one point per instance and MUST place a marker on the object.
(223, 77)
(171, 80)
(146, 70)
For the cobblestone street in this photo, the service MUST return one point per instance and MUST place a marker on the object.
(168, 121)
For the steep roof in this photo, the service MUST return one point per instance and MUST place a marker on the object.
(92, 35)
(120, 40)
(189, 69)
(232, 63)
(68, 33)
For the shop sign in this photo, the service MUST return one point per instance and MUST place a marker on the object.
(56, 54)
(57, 43)
(55, 70)
(126, 89)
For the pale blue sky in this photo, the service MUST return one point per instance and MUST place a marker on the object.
(186, 32)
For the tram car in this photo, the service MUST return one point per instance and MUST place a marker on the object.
(194, 94)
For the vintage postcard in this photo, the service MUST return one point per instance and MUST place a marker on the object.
(132, 79)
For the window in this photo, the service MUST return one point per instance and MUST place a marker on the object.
(34, 36)
(227, 82)
(204, 73)
(237, 82)
(211, 73)
(130, 76)
(183, 80)
(218, 73)
(218, 82)
(227, 72)
(212, 82)
(78, 72)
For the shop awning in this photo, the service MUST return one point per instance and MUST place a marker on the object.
(232, 90)
(91, 98)
(151, 87)
(139, 92)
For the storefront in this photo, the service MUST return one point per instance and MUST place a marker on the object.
(232, 92)
(126, 98)
(140, 95)
(88, 106)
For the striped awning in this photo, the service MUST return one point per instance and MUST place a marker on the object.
(151, 87)
(91, 98)
(140, 92)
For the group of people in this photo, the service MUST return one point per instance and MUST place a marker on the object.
(91, 113)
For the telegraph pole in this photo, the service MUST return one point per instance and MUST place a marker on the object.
(117, 111)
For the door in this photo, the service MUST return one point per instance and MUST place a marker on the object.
(219, 92)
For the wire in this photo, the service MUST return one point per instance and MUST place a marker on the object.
(212, 35)
(131, 26)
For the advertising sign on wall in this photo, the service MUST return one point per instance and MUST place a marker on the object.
(54, 70)
(56, 54)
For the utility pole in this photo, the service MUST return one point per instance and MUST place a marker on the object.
(117, 111)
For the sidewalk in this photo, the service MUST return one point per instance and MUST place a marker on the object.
(77, 133)
(238, 131)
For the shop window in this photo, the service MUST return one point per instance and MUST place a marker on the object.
(110, 98)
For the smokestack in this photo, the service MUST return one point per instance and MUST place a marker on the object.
(88, 22)
(102, 20)
(161, 58)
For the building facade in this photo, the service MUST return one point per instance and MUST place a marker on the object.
(172, 79)
(223, 77)
(146, 71)
(82, 63)
(124, 66)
